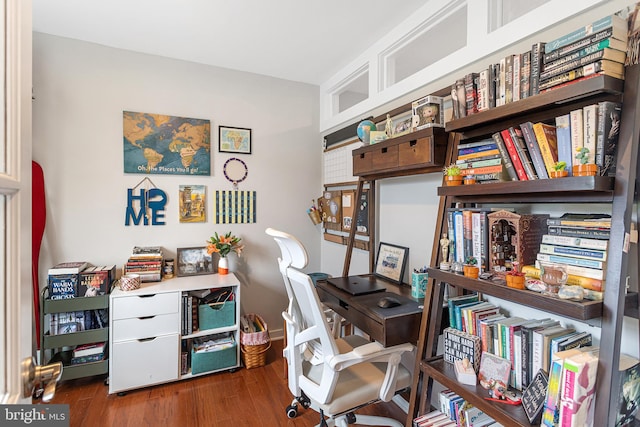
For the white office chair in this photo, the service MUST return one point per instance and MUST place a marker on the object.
(342, 374)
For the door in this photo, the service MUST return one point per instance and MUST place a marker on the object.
(16, 316)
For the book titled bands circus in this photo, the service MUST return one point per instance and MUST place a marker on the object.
(167, 145)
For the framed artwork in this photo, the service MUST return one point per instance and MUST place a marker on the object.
(166, 145)
(194, 261)
(391, 262)
(234, 140)
(193, 203)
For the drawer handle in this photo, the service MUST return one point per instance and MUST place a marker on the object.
(146, 317)
(384, 150)
(147, 339)
(343, 304)
(147, 296)
(362, 155)
(413, 143)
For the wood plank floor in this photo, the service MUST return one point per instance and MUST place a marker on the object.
(247, 397)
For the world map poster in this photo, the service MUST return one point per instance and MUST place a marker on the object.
(169, 145)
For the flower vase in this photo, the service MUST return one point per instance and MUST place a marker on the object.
(223, 265)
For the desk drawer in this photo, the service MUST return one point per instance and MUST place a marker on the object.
(145, 305)
(362, 163)
(139, 363)
(416, 152)
(145, 327)
(385, 158)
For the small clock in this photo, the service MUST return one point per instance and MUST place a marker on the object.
(235, 171)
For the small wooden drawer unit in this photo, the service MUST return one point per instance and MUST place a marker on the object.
(422, 149)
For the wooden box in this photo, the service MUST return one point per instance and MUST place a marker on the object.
(514, 237)
(425, 148)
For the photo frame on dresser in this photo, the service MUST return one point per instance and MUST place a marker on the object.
(391, 261)
(194, 261)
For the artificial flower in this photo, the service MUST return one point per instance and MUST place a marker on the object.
(222, 245)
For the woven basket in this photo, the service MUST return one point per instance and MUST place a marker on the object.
(255, 356)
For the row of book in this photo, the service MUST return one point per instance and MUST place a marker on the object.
(145, 261)
(453, 410)
(80, 279)
(76, 321)
(595, 49)
(88, 353)
(532, 150)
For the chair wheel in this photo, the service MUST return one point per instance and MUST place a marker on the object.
(305, 404)
(292, 411)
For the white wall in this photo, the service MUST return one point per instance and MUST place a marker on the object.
(81, 90)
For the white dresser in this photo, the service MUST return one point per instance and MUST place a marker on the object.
(146, 340)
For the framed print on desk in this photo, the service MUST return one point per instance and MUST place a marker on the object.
(194, 261)
(391, 262)
(234, 140)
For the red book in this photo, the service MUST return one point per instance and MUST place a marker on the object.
(513, 153)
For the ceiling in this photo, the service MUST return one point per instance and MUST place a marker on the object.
(298, 40)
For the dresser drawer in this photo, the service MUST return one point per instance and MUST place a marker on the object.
(145, 305)
(416, 152)
(145, 327)
(139, 363)
(385, 158)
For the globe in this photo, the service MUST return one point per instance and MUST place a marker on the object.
(362, 133)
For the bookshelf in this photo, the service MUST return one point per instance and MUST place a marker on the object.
(617, 192)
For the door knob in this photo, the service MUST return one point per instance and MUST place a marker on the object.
(45, 376)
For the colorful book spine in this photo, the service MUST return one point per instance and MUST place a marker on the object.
(537, 52)
(610, 21)
(575, 242)
(598, 67)
(575, 252)
(481, 170)
(577, 132)
(591, 233)
(584, 56)
(523, 152)
(601, 39)
(513, 155)
(534, 150)
(485, 147)
(476, 155)
(609, 114)
(548, 144)
(579, 62)
(525, 75)
(579, 262)
(578, 389)
(590, 129)
(563, 134)
(551, 411)
(462, 164)
(506, 158)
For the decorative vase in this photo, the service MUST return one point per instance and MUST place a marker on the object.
(589, 169)
(452, 180)
(516, 282)
(559, 174)
(469, 181)
(471, 271)
(223, 265)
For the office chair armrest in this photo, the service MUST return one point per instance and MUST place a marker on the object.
(371, 352)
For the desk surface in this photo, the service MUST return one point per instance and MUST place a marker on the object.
(388, 326)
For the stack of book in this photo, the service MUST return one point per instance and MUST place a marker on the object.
(88, 353)
(579, 242)
(595, 49)
(63, 279)
(145, 261)
(454, 411)
(482, 160)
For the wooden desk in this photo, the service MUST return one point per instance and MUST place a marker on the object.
(388, 326)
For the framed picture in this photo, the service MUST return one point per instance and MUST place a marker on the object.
(391, 262)
(194, 261)
(234, 140)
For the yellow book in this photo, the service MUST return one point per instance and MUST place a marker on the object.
(548, 143)
(478, 154)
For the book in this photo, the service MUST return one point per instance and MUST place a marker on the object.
(602, 67)
(526, 344)
(455, 301)
(481, 170)
(471, 93)
(486, 331)
(551, 411)
(470, 164)
(581, 339)
(490, 145)
(537, 52)
(578, 242)
(94, 281)
(586, 60)
(506, 158)
(513, 155)
(591, 233)
(577, 132)
(590, 128)
(508, 79)
(629, 400)
(615, 22)
(63, 286)
(540, 349)
(609, 114)
(582, 220)
(578, 389)
(584, 56)
(523, 152)
(501, 82)
(87, 359)
(525, 75)
(89, 349)
(574, 252)
(600, 40)
(483, 90)
(548, 143)
(534, 148)
(475, 144)
(73, 267)
(563, 136)
(479, 154)
(515, 91)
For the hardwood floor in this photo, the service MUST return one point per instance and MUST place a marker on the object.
(247, 397)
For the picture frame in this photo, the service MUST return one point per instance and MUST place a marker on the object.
(234, 140)
(391, 261)
(194, 261)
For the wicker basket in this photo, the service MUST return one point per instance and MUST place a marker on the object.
(254, 345)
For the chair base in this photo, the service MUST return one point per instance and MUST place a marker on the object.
(367, 420)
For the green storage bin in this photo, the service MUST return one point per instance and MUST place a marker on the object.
(216, 315)
(214, 360)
